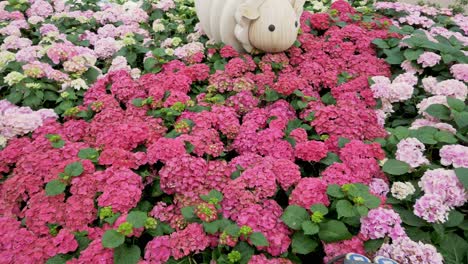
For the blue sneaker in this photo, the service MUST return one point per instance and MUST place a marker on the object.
(383, 260)
(353, 258)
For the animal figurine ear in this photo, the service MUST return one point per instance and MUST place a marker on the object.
(298, 6)
(250, 9)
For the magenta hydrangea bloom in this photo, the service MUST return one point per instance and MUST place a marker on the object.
(309, 191)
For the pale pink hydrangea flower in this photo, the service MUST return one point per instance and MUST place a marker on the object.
(379, 187)
(165, 5)
(17, 121)
(410, 68)
(460, 72)
(381, 222)
(411, 151)
(456, 155)
(442, 192)
(400, 89)
(425, 103)
(406, 251)
(431, 208)
(428, 59)
(421, 122)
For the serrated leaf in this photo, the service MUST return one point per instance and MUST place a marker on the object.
(344, 209)
(302, 244)
(211, 227)
(319, 207)
(127, 254)
(310, 228)
(373, 245)
(330, 159)
(333, 231)
(112, 239)
(456, 104)
(294, 216)
(188, 213)
(55, 187)
(462, 175)
(439, 111)
(74, 169)
(88, 153)
(395, 167)
(334, 190)
(258, 239)
(137, 218)
(461, 119)
(232, 230)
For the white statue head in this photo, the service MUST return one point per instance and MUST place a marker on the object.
(268, 25)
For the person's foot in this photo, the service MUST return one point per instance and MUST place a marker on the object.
(353, 258)
(383, 260)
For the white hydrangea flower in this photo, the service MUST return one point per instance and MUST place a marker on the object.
(401, 190)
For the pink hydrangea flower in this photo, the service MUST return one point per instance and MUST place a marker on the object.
(456, 155)
(406, 251)
(411, 151)
(381, 222)
(460, 72)
(428, 59)
(309, 191)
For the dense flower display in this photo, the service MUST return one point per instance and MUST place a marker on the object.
(127, 136)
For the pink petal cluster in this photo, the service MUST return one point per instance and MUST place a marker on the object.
(428, 59)
(406, 251)
(442, 192)
(380, 223)
(309, 191)
(355, 245)
(456, 155)
(411, 151)
(460, 72)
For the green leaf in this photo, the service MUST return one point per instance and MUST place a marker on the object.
(127, 254)
(455, 218)
(333, 231)
(425, 134)
(319, 208)
(57, 259)
(189, 147)
(462, 174)
(395, 167)
(408, 217)
(91, 75)
(394, 55)
(334, 190)
(258, 239)
(342, 142)
(246, 251)
(344, 209)
(330, 159)
(211, 227)
(112, 239)
(271, 95)
(302, 244)
(439, 111)
(461, 119)
(188, 213)
(212, 195)
(149, 64)
(310, 228)
(294, 215)
(232, 230)
(453, 248)
(413, 55)
(362, 211)
(219, 65)
(55, 187)
(401, 132)
(88, 153)
(137, 218)
(445, 137)
(138, 102)
(381, 43)
(328, 99)
(74, 169)
(456, 104)
(58, 144)
(373, 245)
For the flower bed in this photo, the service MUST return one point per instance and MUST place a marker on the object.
(354, 140)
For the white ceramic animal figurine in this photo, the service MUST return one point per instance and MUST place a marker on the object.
(251, 25)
